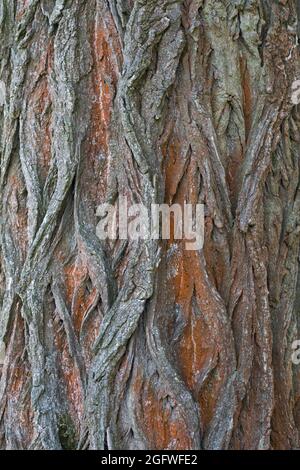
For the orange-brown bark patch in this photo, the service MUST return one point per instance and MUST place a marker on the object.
(162, 423)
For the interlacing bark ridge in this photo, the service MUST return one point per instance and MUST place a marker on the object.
(145, 345)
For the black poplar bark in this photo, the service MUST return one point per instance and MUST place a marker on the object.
(134, 345)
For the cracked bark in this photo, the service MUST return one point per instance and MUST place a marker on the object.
(148, 346)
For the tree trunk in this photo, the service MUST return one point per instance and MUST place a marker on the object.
(145, 345)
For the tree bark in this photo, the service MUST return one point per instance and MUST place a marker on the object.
(131, 345)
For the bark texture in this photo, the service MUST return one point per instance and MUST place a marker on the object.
(131, 345)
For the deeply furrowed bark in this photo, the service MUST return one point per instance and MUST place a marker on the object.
(132, 345)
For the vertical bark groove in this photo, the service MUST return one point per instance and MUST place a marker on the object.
(129, 345)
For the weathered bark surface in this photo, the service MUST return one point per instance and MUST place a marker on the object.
(147, 345)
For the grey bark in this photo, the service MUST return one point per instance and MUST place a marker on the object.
(133, 345)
